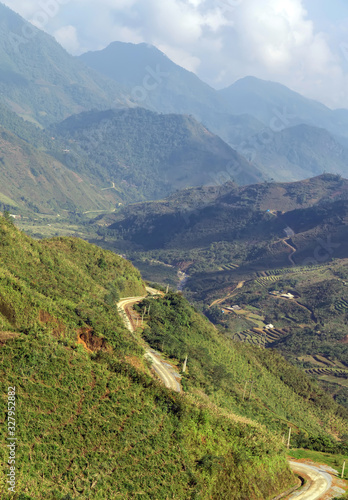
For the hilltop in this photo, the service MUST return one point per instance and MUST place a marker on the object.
(252, 246)
(297, 153)
(40, 81)
(146, 155)
(279, 107)
(87, 400)
(32, 181)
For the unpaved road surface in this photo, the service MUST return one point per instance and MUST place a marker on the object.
(167, 374)
(219, 301)
(318, 482)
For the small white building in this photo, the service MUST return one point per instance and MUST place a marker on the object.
(289, 232)
(269, 327)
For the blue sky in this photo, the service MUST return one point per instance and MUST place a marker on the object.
(300, 43)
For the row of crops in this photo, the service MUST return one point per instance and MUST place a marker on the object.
(336, 372)
(228, 267)
(260, 337)
(341, 305)
(286, 270)
(265, 281)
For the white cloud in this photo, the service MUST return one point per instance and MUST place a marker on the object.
(67, 36)
(221, 40)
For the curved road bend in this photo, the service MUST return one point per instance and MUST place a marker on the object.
(319, 482)
(165, 372)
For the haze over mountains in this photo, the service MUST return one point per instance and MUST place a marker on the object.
(235, 198)
(274, 128)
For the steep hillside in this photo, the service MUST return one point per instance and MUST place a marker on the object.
(146, 155)
(298, 152)
(92, 421)
(195, 218)
(40, 80)
(31, 180)
(156, 83)
(279, 107)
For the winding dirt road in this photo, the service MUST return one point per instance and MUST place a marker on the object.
(318, 482)
(219, 301)
(293, 251)
(166, 373)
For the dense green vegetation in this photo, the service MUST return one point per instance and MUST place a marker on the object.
(146, 155)
(41, 81)
(32, 181)
(221, 234)
(257, 383)
(97, 428)
(92, 422)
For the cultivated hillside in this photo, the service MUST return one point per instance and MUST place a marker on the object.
(92, 420)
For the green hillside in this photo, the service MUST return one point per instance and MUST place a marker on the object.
(40, 81)
(232, 246)
(94, 424)
(299, 152)
(173, 89)
(210, 225)
(279, 107)
(33, 181)
(146, 155)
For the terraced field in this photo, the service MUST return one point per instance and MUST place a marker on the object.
(267, 280)
(260, 337)
(228, 267)
(286, 270)
(341, 305)
(336, 372)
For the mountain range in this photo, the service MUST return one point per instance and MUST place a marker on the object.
(274, 128)
(233, 205)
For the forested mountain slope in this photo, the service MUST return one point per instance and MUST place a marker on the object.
(146, 155)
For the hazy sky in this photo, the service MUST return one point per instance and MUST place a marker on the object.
(301, 43)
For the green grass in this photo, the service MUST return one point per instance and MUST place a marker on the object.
(94, 423)
(7, 201)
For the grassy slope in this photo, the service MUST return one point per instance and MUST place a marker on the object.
(94, 424)
(219, 368)
(32, 180)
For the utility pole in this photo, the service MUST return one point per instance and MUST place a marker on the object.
(245, 386)
(167, 290)
(288, 445)
(344, 465)
(184, 365)
(251, 388)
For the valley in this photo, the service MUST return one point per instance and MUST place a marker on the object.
(173, 258)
